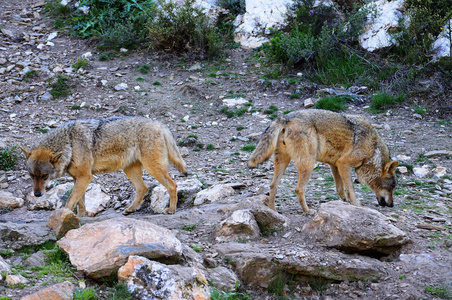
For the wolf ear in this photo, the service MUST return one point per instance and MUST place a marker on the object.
(391, 166)
(55, 158)
(26, 151)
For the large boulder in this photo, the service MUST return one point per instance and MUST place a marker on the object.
(261, 264)
(378, 30)
(59, 291)
(441, 47)
(355, 229)
(148, 279)
(100, 249)
(17, 236)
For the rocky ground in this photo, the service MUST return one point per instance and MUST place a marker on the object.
(187, 96)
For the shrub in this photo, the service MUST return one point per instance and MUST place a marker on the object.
(81, 63)
(183, 28)
(235, 7)
(332, 103)
(8, 158)
(60, 86)
(382, 101)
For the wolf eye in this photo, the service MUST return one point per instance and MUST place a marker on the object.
(32, 175)
(45, 176)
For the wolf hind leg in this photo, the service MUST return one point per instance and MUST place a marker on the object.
(282, 160)
(159, 170)
(305, 168)
(338, 182)
(134, 173)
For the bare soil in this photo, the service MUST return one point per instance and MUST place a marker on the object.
(189, 103)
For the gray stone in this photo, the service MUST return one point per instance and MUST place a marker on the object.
(355, 229)
(16, 236)
(240, 225)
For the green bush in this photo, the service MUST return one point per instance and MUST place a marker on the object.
(429, 16)
(81, 63)
(332, 103)
(183, 28)
(60, 86)
(235, 7)
(382, 101)
(8, 158)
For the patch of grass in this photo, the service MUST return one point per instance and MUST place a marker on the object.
(442, 292)
(287, 111)
(196, 247)
(43, 130)
(60, 86)
(332, 103)
(192, 136)
(30, 75)
(189, 227)
(382, 101)
(156, 83)
(239, 128)
(144, 69)
(8, 158)
(107, 56)
(120, 292)
(211, 74)
(139, 79)
(248, 148)
(82, 63)
(294, 96)
(421, 110)
(235, 295)
(7, 253)
(75, 107)
(279, 281)
(210, 147)
(233, 112)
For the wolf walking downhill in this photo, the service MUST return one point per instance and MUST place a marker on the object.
(342, 141)
(82, 148)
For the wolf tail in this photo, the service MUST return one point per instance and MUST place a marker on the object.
(267, 144)
(174, 155)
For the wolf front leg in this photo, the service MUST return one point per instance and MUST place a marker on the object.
(78, 193)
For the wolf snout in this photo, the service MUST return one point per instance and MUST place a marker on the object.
(37, 193)
(382, 202)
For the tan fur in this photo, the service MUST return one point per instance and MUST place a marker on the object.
(84, 147)
(342, 141)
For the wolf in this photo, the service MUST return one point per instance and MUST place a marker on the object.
(82, 148)
(340, 140)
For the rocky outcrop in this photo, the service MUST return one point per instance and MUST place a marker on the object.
(355, 229)
(100, 249)
(148, 279)
(240, 225)
(9, 201)
(213, 194)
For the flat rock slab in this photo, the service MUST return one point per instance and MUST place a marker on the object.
(259, 264)
(100, 249)
(18, 235)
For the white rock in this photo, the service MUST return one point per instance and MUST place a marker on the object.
(421, 171)
(213, 194)
(121, 86)
(230, 102)
(440, 172)
(9, 201)
(87, 55)
(241, 224)
(377, 32)
(441, 47)
(52, 36)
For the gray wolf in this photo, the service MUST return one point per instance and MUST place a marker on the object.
(82, 148)
(342, 141)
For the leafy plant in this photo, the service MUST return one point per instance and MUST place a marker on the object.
(120, 292)
(82, 63)
(84, 294)
(248, 148)
(441, 291)
(8, 158)
(189, 227)
(235, 295)
(60, 86)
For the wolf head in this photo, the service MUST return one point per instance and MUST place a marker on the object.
(381, 181)
(43, 165)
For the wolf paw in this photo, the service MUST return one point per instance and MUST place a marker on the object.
(310, 211)
(127, 212)
(169, 211)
